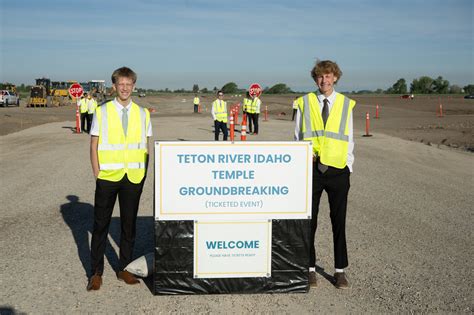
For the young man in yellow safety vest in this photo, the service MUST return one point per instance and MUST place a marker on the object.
(325, 118)
(219, 114)
(84, 115)
(196, 103)
(119, 158)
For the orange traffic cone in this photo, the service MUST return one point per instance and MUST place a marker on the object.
(232, 126)
(243, 130)
(367, 125)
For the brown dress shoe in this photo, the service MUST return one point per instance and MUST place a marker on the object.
(313, 281)
(340, 280)
(127, 277)
(94, 283)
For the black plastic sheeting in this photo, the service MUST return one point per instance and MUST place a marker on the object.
(174, 246)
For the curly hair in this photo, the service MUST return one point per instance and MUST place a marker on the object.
(324, 67)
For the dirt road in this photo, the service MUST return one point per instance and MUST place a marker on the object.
(409, 228)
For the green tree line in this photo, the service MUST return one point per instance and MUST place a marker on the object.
(428, 85)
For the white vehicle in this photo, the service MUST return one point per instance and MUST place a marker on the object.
(8, 98)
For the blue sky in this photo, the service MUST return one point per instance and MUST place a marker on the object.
(174, 44)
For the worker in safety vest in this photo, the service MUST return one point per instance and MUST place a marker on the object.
(295, 108)
(325, 118)
(196, 103)
(91, 106)
(245, 108)
(119, 158)
(254, 111)
(84, 115)
(219, 114)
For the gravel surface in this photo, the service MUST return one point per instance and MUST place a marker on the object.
(409, 229)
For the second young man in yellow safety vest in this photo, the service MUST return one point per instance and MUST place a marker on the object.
(119, 158)
(219, 114)
(325, 118)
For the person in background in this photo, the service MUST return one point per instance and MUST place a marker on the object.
(196, 103)
(119, 157)
(295, 108)
(84, 115)
(91, 106)
(245, 107)
(255, 112)
(325, 118)
(219, 114)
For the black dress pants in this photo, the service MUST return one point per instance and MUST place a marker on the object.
(84, 119)
(255, 122)
(219, 125)
(129, 198)
(89, 122)
(249, 122)
(336, 183)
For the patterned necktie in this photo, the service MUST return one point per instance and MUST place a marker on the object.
(325, 112)
(124, 121)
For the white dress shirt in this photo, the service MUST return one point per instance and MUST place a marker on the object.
(331, 98)
(119, 107)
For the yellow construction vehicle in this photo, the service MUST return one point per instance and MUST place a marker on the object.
(40, 93)
(60, 92)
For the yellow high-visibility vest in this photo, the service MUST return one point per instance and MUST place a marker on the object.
(83, 104)
(120, 154)
(196, 101)
(295, 104)
(254, 108)
(330, 143)
(246, 104)
(220, 110)
(91, 106)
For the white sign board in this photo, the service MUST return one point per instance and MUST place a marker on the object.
(233, 181)
(232, 249)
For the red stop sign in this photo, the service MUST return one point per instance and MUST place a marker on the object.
(255, 90)
(76, 90)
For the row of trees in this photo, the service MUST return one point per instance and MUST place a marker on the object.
(427, 85)
(421, 85)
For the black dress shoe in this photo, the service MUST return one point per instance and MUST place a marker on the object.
(340, 280)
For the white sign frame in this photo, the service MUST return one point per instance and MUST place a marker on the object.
(284, 189)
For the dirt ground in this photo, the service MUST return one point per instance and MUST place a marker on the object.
(409, 220)
(416, 120)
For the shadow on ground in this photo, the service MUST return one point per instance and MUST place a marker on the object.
(79, 217)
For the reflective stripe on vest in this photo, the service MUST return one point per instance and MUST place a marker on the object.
(129, 155)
